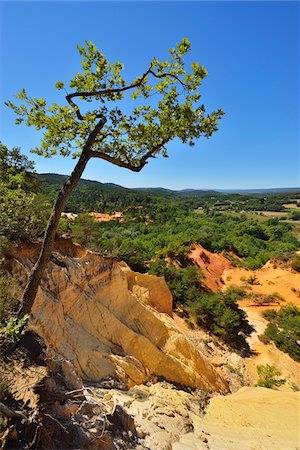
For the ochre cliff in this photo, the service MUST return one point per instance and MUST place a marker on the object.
(110, 321)
(212, 265)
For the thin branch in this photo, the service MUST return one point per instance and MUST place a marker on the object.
(57, 421)
(163, 75)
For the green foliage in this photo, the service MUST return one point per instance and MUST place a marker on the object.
(220, 314)
(184, 283)
(269, 314)
(296, 263)
(268, 377)
(14, 328)
(235, 293)
(251, 280)
(175, 110)
(284, 330)
(22, 213)
(294, 215)
(16, 171)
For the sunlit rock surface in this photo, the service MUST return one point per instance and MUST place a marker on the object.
(110, 321)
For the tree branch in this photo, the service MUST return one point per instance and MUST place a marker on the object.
(117, 90)
(8, 412)
(120, 163)
(127, 165)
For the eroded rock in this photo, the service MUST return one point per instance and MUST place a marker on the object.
(109, 321)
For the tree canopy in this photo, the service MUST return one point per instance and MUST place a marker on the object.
(165, 102)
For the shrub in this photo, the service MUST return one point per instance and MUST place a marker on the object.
(264, 339)
(235, 292)
(220, 314)
(269, 314)
(265, 300)
(14, 328)
(268, 377)
(296, 263)
(252, 280)
(275, 296)
(295, 215)
(284, 330)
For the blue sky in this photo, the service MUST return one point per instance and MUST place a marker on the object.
(251, 52)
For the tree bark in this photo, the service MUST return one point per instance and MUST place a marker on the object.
(49, 236)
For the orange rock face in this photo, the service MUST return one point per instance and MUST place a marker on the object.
(109, 321)
(102, 217)
(212, 265)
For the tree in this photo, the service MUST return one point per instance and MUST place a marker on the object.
(105, 131)
(21, 215)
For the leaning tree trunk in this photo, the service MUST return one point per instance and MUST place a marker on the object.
(49, 236)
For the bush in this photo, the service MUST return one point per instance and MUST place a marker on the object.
(269, 314)
(264, 339)
(252, 280)
(14, 328)
(220, 314)
(284, 330)
(268, 377)
(236, 293)
(184, 283)
(296, 263)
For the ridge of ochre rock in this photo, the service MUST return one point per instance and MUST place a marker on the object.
(98, 314)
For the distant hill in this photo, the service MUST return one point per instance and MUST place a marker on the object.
(261, 191)
(54, 178)
(183, 192)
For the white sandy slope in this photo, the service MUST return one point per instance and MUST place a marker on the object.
(250, 419)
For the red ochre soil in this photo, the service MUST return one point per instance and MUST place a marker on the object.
(213, 265)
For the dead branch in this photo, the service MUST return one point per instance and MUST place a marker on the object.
(8, 412)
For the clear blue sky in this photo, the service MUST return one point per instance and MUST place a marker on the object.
(250, 49)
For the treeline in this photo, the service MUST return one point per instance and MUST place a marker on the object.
(106, 198)
(174, 230)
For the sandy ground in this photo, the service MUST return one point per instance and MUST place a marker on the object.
(271, 278)
(250, 419)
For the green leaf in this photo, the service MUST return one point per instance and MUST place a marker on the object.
(59, 85)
